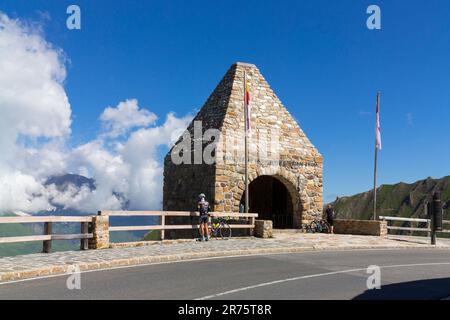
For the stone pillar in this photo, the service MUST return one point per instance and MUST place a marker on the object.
(263, 228)
(383, 229)
(100, 229)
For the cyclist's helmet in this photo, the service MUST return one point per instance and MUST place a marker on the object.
(201, 196)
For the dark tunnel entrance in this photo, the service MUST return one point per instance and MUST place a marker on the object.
(270, 198)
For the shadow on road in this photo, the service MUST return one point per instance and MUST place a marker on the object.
(431, 289)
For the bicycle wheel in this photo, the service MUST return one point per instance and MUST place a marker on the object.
(225, 231)
(314, 227)
(306, 228)
(326, 227)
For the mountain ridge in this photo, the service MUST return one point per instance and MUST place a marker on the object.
(400, 199)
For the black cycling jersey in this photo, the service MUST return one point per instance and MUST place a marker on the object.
(330, 214)
(203, 207)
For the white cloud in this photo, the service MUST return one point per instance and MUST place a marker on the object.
(22, 192)
(131, 173)
(33, 104)
(126, 116)
(35, 125)
(146, 171)
(32, 98)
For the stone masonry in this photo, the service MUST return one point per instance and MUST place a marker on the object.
(277, 148)
(263, 229)
(100, 229)
(361, 227)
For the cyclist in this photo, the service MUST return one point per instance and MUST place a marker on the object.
(330, 217)
(203, 209)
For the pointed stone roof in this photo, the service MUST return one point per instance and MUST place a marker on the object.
(224, 108)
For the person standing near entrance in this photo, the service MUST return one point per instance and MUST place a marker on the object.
(203, 209)
(330, 217)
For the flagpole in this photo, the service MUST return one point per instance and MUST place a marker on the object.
(245, 139)
(375, 184)
(375, 171)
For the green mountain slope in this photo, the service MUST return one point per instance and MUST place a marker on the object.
(15, 230)
(400, 200)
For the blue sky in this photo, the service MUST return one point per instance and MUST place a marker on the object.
(318, 56)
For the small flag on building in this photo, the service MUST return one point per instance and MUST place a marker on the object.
(248, 126)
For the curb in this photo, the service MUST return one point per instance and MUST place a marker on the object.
(145, 260)
(134, 244)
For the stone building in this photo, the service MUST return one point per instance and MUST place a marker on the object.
(285, 169)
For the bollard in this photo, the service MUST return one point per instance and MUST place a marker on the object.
(432, 232)
(435, 213)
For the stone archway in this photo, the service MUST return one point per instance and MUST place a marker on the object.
(274, 198)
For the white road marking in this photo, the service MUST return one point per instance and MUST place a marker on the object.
(265, 284)
(216, 258)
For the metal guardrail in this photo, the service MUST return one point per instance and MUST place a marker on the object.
(414, 220)
(162, 226)
(48, 236)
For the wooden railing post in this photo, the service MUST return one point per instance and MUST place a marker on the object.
(163, 224)
(252, 229)
(84, 243)
(47, 244)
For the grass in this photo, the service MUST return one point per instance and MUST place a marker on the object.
(14, 249)
(152, 235)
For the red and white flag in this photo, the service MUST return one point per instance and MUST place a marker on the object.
(248, 126)
(377, 125)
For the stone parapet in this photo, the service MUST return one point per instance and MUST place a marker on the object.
(361, 227)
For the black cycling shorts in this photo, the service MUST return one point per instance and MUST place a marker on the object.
(203, 219)
(330, 221)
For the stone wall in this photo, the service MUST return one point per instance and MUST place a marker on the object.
(263, 229)
(294, 160)
(361, 227)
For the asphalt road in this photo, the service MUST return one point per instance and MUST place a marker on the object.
(405, 274)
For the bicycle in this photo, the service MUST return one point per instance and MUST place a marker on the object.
(306, 228)
(220, 227)
(319, 226)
